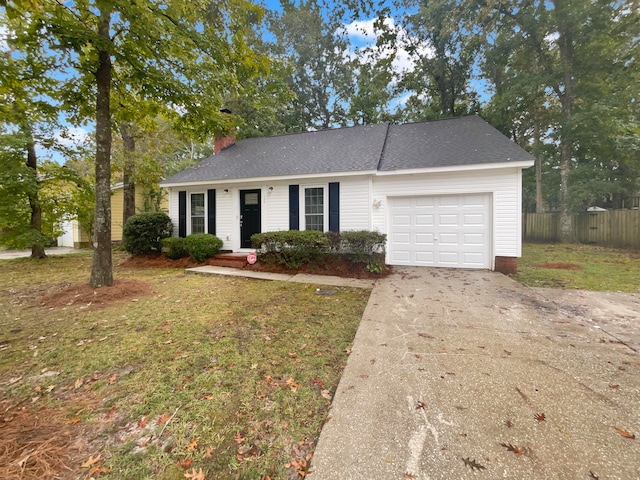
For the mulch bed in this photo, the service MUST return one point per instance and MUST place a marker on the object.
(333, 266)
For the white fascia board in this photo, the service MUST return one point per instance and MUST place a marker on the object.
(306, 176)
(457, 168)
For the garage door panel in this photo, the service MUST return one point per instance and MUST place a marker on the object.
(473, 239)
(401, 238)
(424, 239)
(424, 220)
(445, 239)
(401, 220)
(449, 219)
(474, 219)
(446, 231)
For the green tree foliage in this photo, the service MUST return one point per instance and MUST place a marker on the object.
(444, 55)
(319, 73)
(565, 85)
(185, 56)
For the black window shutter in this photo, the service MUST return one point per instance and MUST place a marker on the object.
(211, 211)
(334, 207)
(182, 214)
(294, 207)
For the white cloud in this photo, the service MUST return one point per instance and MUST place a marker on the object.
(4, 35)
(363, 36)
(72, 137)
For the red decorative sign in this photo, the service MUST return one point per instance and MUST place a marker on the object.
(251, 258)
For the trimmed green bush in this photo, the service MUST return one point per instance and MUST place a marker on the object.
(363, 246)
(174, 247)
(143, 233)
(201, 246)
(291, 248)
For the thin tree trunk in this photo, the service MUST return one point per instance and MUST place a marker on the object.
(537, 144)
(37, 250)
(102, 268)
(565, 43)
(129, 188)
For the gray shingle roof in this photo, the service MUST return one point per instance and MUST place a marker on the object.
(341, 150)
(458, 141)
(449, 142)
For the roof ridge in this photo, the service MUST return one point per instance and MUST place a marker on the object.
(384, 146)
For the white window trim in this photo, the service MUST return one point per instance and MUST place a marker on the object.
(189, 226)
(325, 205)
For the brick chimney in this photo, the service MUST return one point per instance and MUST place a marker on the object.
(221, 142)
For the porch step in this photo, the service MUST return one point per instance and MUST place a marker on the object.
(233, 260)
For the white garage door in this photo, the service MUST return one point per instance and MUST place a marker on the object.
(441, 231)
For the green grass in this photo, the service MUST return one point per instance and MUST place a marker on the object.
(601, 269)
(242, 367)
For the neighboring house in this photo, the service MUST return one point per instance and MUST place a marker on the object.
(447, 193)
(76, 236)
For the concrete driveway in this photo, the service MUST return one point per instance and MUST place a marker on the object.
(11, 254)
(459, 374)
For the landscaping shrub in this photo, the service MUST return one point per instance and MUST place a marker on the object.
(291, 248)
(174, 247)
(143, 233)
(363, 246)
(201, 246)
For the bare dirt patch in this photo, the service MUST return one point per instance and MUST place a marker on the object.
(561, 266)
(83, 295)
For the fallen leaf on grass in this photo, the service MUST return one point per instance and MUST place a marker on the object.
(75, 420)
(326, 394)
(113, 378)
(91, 461)
(186, 463)
(143, 422)
(517, 450)
(192, 445)
(78, 383)
(293, 385)
(199, 475)
(624, 433)
(209, 451)
(164, 419)
(238, 438)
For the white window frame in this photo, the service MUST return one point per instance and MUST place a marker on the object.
(325, 205)
(190, 216)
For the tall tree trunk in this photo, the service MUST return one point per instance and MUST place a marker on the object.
(129, 188)
(537, 143)
(37, 250)
(565, 43)
(102, 268)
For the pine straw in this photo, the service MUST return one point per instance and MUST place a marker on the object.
(34, 444)
(83, 295)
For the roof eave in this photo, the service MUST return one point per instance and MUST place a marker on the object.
(458, 168)
(301, 176)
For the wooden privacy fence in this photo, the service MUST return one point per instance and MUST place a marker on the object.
(614, 228)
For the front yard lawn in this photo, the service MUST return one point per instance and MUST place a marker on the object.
(584, 267)
(165, 375)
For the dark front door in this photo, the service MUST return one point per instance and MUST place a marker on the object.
(249, 216)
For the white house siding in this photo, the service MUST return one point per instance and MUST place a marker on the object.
(355, 205)
(504, 185)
